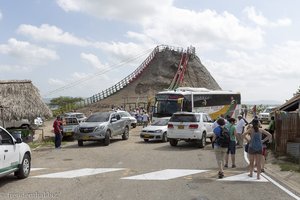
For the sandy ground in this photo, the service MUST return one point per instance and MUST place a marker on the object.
(44, 131)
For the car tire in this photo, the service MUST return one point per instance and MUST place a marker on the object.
(24, 168)
(202, 142)
(107, 138)
(164, 137)
(173, 142)
(125, 135)
(80, 143)
(146, 140)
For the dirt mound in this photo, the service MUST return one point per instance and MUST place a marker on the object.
(156, 77)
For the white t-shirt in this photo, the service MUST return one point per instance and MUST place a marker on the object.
(145, 117)
(240, 125)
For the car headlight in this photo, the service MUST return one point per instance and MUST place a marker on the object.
(99, 128)
(158, 131)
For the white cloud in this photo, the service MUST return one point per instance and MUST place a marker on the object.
(68, 5)
(206, 28)
(13, 68)
(93, 60)
(269, 75)
(50, 33)
(1, 16)
(87, 77)
(129, 10)
(122, 50)
(28, 53)
(79, 81)
(261, 20)
(234, 54)
(56, 82)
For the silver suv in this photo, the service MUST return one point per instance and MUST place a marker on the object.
(126, 115)
(190, 127)
(102, 126)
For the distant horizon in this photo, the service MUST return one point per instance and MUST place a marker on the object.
(259, 102)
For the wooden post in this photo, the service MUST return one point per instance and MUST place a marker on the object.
(2, 115)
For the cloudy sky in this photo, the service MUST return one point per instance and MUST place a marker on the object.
(81, 47)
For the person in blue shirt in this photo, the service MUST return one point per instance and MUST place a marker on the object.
(219, 151)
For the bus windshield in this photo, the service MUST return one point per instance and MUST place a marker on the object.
(165, 108)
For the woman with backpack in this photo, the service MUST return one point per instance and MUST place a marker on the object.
(220, 150)
(256, 145)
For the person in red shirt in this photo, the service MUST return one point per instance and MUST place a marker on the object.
(57, 132)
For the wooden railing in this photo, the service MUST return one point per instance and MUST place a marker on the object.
(128, 79)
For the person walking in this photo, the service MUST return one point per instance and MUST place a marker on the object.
(145, 118)
(57, 132)
(255, 145)
(240, 126)
(232, 145)
(219, 151)
(271, 127)
(245, 112)
(254, 111)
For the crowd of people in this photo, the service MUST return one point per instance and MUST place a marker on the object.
(229, 135)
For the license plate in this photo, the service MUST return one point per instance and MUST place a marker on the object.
(85, 137)
(146, 136)
(180, 126)
(68, 133)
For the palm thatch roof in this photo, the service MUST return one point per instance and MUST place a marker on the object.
(291, 105)
(20, 99)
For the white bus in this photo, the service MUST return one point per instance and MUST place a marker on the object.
(213, 102)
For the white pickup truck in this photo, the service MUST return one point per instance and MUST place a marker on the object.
(15, 156)
(265, 116)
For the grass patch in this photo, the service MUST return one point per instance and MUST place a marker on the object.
(40, 143)
(287, 162)
(47, 142)
(290, 167)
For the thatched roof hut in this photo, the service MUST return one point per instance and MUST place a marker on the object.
(20, 99)
(292, 105)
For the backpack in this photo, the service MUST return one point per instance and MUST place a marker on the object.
(224, 138)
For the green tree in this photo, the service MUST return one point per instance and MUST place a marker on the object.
(65, 103)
